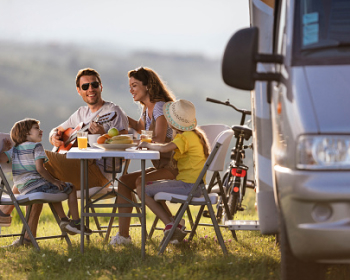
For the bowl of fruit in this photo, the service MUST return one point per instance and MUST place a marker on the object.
(113, 141)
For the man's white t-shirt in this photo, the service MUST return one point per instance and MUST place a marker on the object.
(83, 114)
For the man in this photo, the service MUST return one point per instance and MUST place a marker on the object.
(89, 87)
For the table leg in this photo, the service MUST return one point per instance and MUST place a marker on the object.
(87, 197)
(83, 188)
(143, 208)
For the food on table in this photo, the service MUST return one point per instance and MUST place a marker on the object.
(120, 139)
(113, 132)
(102, 139)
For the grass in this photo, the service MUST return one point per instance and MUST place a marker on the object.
(254, 256)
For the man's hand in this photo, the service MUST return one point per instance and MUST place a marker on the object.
(56, 139)
(96, 128)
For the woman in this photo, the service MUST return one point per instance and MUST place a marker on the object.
(149, 90)
(191, 152)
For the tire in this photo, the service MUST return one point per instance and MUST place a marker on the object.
(291, 267)
(220, 209)
(232, 201)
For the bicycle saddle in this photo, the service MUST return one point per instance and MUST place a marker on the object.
(242, 129)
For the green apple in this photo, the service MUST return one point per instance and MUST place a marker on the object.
(113, 132)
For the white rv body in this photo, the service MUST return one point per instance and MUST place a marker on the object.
(295, 59)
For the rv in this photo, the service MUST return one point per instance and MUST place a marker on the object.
(295, 61)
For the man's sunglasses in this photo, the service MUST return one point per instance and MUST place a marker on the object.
(93, 84)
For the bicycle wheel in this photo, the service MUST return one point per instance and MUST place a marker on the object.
(233, 203)
(219, 205)
(232, 200)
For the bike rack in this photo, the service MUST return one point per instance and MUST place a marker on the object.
(243, 224)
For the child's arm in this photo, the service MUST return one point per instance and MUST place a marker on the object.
(5, 147)
(163, 148)
(39, 164)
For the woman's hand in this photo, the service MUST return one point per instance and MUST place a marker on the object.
(7, 145)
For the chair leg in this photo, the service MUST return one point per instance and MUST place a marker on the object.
(164, 243)
(194, 227)
(65, 235)
(110, 223)
(154, 226)
(25, 227)
(189, 215)
(215, 224)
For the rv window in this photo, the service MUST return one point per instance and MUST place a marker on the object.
(323, 29)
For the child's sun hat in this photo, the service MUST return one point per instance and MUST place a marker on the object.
(181, 114)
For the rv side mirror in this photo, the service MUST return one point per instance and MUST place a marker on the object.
(238, 65)
(241, 57)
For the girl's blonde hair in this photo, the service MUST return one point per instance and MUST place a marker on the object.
(204, 141)
(21, 129)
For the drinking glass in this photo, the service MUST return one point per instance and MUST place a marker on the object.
(146, 136)
(82, 139)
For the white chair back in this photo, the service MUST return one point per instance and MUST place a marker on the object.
(212, 131)
(224, 138)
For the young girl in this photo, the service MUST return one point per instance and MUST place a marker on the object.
(191, 151)
(30, 175)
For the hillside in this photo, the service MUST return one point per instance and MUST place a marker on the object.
(39, 81)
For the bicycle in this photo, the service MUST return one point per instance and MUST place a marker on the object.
(237, 171)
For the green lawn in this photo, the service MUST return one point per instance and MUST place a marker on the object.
(254, 256)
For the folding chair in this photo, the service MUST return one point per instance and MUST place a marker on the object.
(215, 162)
(8, 198)
(216, 185)
(212, 131)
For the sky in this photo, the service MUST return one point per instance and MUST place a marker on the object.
(181, 26)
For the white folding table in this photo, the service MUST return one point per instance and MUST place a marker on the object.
(97, 153)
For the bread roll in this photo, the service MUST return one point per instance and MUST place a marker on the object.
(121, 139)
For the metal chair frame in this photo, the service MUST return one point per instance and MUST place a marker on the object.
(8, 198)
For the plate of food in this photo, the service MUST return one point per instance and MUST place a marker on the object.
(120, 142)
(115, 146)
